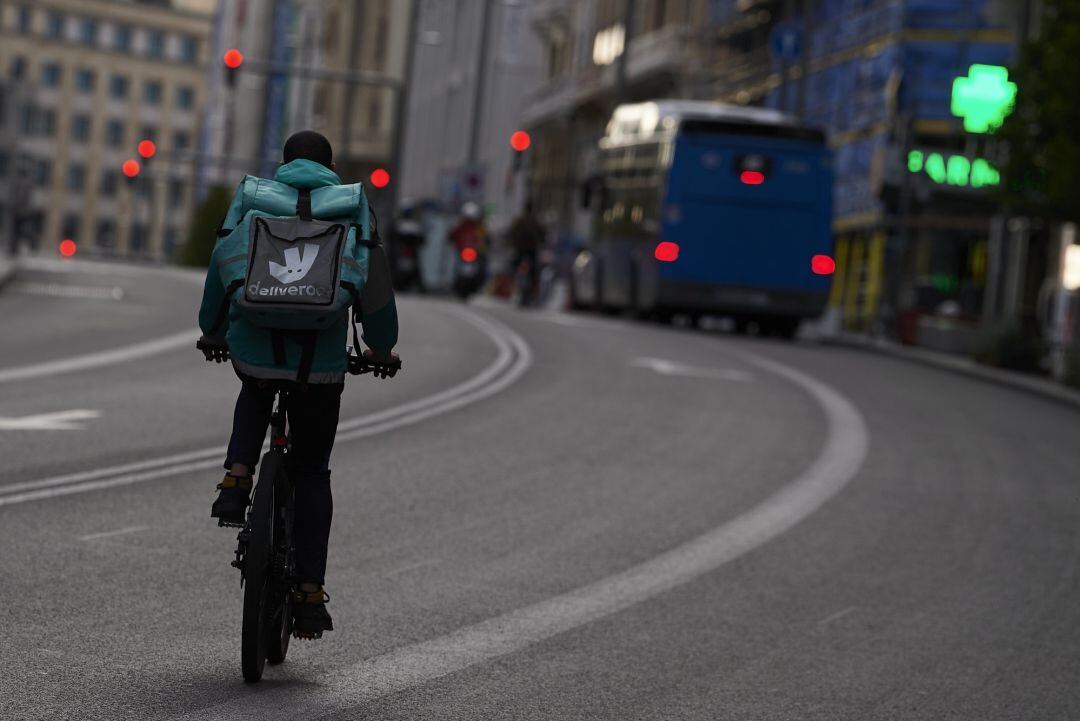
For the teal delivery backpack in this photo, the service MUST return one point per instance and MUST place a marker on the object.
(294, 272)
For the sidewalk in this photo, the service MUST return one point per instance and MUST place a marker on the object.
(963, 366)
(7, 268)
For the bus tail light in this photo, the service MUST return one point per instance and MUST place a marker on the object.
(666, 251)
(822, 265)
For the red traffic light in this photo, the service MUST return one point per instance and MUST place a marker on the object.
(751, 177)
(822, 265)
(380, 178)
(233, 58)
(469, 255)
(147, 149)
(130, 168)
(520, 141)
(68, 247)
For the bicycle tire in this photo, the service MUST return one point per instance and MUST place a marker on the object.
(253, 636)
(279, 610)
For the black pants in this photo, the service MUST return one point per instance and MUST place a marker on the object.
(313, 419)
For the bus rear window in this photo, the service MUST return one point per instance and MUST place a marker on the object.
(728, 127)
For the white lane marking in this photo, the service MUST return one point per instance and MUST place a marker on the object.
(673, 368)
(110, 534)
(837, 464)
(59, 290)
(512, 362)
(836, 616)
(102, 358)
(56, 421)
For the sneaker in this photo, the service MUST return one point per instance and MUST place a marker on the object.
(232, 501)
(310, 617)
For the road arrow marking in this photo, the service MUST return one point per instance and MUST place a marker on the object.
(673, 368)
(58, 421)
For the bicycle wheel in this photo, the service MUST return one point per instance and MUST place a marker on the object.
(257, 577)
(279, 608)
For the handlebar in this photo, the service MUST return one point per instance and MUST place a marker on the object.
(216, 353)
(361, 364)
(358, 364)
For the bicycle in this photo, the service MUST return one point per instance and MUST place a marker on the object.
(265, 554)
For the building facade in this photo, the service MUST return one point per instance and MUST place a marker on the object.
(89, 80)
(474, 61)
(597, 54)
(334, 66)
(913, 187)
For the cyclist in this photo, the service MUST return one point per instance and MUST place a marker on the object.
(313, 406)
(527, 238)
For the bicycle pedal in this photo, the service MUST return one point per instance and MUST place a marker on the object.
(303, 636)
(222, 523)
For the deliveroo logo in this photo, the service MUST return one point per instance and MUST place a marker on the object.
(296, 265)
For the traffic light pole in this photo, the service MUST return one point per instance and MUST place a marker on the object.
(403, 96)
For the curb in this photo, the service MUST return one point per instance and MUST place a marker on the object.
(962, 366)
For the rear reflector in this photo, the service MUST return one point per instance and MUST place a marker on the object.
(751, 177)
(822, 265)
(666, 251)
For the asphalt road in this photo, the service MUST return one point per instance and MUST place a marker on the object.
(543, 517)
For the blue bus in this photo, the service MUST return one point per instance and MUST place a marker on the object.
(703, 208)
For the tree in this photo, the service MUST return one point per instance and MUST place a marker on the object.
(1042, 136)
(204, 224)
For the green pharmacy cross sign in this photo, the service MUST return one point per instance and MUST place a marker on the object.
(983, 98)
(954, 170)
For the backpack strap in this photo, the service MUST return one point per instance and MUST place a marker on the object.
(307, 339)
(277, 344)
(303, 203)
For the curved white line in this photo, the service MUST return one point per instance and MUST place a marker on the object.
(840, 459)
(512, 361)
(102, 358)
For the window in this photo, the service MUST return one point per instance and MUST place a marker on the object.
(47, 117)
(185, 97)
(80, 127)
(155, 44)
(85, 80)
(54, 26)
(172, 239)
(24, 20)
(373, 114)
(152, 92)
(148, 132)
(114, 133)
(70, 227)
(18, 67)
(51, 74)
(88, 32)
(5, 161)
(106, 233)
(189, 49)
(138, 238)
(43, 172)
(118, 87)
(122, 38)
(176, 192)
(181, 140)
(76, 180)
(28, 120)
(110, 180)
